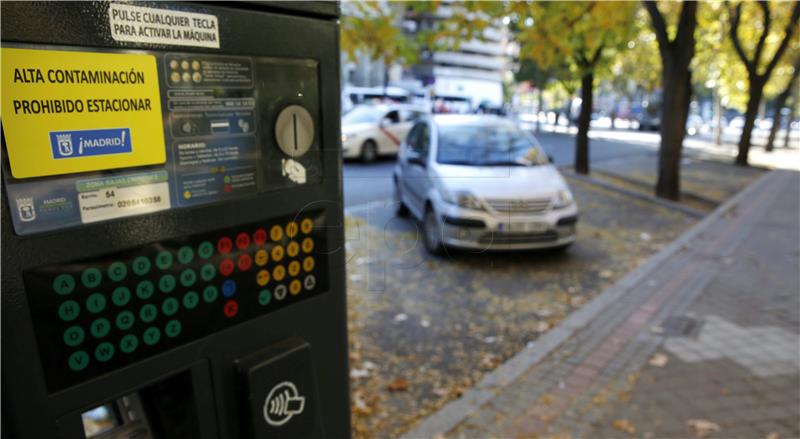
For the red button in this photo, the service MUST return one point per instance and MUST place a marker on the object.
(231, 308)
(226, 267)
(260, 236)
(244, 262)
(242, 240)
(224, 245)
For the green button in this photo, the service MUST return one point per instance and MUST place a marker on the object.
(63, 284)
(100, 327)
(264, 296)
(117, 271)
(148, 312)
(69, 310)
(185, 255)
(141, 265)
(188, 277)
(91, 277)
(206, 250)
(96, 303)
(121, 296)
(190, 300)
(151, 335)
(125, 320)
(210, 293)
(104, 351)
(78, 360)
(73, 336)
(207, 272)
(129, 343)
(145, 289)
(170, 306)
(173, 328)
(167, 283)
(164, 260)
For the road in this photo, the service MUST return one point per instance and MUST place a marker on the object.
(364, 183)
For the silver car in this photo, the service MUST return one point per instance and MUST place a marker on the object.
(480, 182)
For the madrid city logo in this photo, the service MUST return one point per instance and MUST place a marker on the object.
(26, 209)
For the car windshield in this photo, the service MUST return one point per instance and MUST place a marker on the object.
(487, 145)
(362, 115)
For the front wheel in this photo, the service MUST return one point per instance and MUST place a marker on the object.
(369, 151)
(432, 233)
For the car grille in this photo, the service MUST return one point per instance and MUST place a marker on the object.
(517, 238)
(519, 206)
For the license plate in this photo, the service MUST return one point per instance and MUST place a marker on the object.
(524, 227)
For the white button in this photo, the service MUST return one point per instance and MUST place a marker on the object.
(294, 130)
(280, 292)
(310, 282)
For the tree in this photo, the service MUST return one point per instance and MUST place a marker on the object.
(780, 103)
(756, 76)
(676, 55)
(370, 28)
(579, 34)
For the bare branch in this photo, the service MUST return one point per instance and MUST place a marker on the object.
(763, 38)
(659, 25)
(736, 14)
(787, 37)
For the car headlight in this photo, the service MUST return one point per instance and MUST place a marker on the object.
(563, 199)
(462, 199)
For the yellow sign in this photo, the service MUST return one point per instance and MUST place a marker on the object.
(65, 112)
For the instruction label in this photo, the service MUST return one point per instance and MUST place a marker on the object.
(162, 26)
(66, 112)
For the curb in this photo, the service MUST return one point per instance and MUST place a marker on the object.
(449, 416)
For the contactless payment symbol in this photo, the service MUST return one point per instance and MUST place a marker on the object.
(282, 403)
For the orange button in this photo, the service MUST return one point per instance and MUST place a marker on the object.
(277, 253)
(262, 277)
(291, 229)
(276, 233)
(308, 264)
(307, 225)
(294, 268)
(292, 249)
(308, 245)
(295, 286)
(278, 273)
(262, 257)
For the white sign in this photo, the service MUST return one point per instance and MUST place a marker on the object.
(118, 202)
(162, 26)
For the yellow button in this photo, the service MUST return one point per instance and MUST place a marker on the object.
(291, 229)
(293, 249)
(277, 253)
(276, 233)
(262, 257)
(307, 225)
(294, 268)
(278, 273)
(308, 245)
(308, 263)
(262, 277)
(295, 286)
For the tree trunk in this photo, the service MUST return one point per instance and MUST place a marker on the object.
(717, 117)
(753, 102)
(539, 106)
(675, 109)
(584, 119)
(780, 103)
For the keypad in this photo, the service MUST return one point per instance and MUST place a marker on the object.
(97, 315)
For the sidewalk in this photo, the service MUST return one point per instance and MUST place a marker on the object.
(703, 339)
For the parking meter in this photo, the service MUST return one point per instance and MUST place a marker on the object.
(172, 240)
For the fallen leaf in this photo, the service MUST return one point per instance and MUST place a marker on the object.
(658, 360)
(577, 301)
(702, 427)
(541, 327)
(624, 425)
(773, 435)
(605, 274)
(644, 236)
(398, 385)
(402, 317)
(358, 373)
(489, 361)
